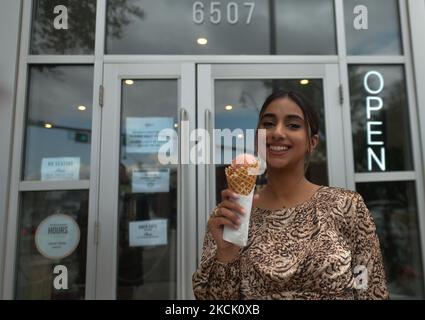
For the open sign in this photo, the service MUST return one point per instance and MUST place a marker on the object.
(374, 104)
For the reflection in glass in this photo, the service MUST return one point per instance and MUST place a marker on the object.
(148, 21)
(56, 128)
(297, 32)
(381, 35)
(63, 27)
(147, 246)
(34, 275)
(394, 209)
(246, 98)
(395, 152)
(227, 27)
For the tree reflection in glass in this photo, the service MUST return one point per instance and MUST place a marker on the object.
(79, 37)
(394, 209)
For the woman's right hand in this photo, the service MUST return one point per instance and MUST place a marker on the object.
(225, 215)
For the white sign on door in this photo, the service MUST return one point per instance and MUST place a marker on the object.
(142, 134)
(60, 169)
(145, 181)
(148, 233)
(57, 236)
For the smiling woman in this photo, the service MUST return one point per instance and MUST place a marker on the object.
(86, 88)
(318, 242)
(298, 119)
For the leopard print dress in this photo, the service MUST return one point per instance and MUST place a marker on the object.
(324, 248)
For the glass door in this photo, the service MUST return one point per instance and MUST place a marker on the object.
(230, 98)
(147, 218)
(152, 215)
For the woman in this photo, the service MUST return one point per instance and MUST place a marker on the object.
(305, 241)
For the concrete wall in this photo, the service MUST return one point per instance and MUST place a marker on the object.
(10, 13)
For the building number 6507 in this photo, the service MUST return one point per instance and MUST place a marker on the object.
(216, 12)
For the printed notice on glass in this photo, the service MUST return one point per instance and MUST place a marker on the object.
(60, 169)
(57, 236)
(148, 233)
(145, 181)
(142, 134)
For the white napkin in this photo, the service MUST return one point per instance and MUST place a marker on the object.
(240, 236)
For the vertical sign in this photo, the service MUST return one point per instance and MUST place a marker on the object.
(374, 103)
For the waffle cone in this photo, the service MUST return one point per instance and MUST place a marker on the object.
(239, 180)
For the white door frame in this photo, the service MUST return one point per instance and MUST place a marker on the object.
(106, 275)
(208, 73)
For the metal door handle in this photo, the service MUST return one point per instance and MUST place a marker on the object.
(208, 128)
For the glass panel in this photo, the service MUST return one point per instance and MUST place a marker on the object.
(58, 128)
(394, 209)
(147, 248)
(246, 98)
(296, 31)
(372, 27)
(63, 27)
(220, 27)
(136, 28)
(380, 119)
(34, 271)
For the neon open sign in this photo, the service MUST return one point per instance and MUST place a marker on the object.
(374, 104)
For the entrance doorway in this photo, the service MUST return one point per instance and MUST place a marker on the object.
(152, 216)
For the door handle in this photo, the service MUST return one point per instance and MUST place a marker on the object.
(208, 149)
(181, 177)
(182, 150)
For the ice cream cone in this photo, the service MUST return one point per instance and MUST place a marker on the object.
(241, 177)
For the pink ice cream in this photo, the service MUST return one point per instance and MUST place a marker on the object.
(243, 159)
